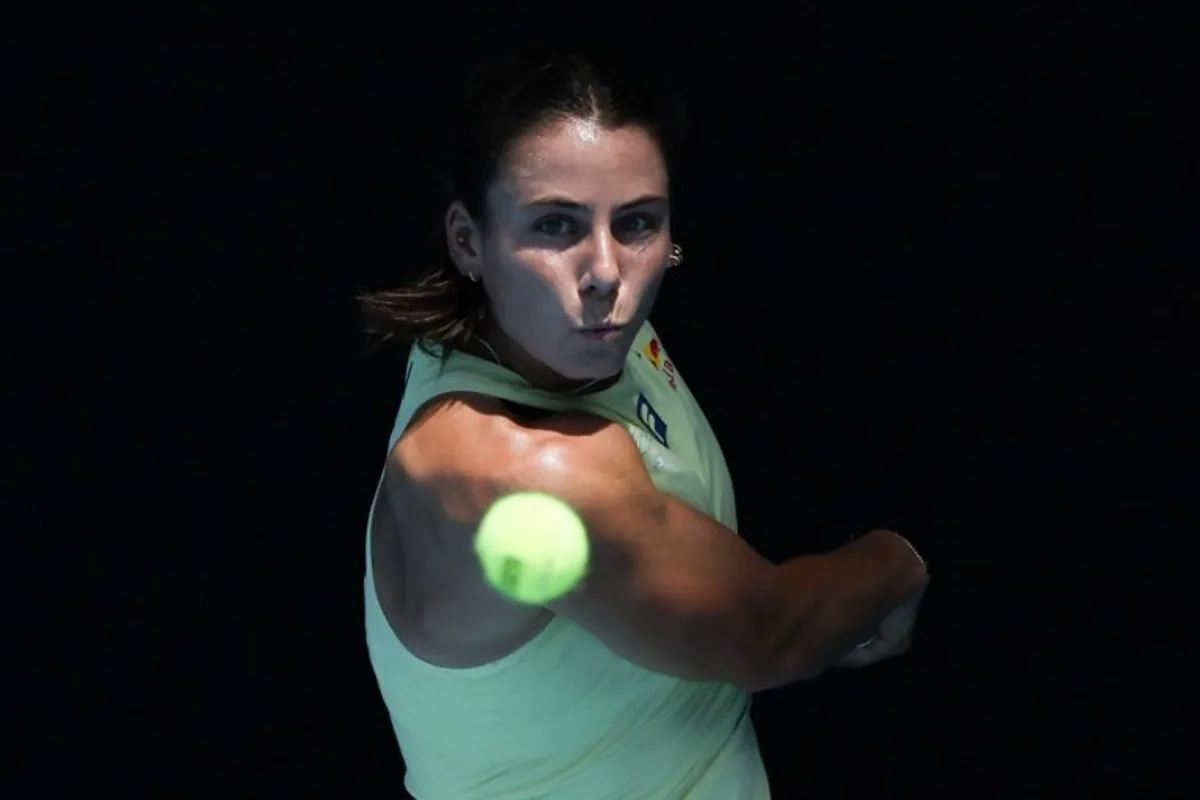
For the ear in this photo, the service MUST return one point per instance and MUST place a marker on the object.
(464, 241)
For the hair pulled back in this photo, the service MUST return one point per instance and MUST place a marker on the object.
(504, 100)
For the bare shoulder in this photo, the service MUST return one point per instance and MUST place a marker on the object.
(462, 453)
(468, 451)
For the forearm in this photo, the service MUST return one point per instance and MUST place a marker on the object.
(829, 603)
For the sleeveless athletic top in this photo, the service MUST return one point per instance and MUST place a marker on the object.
(563, 717)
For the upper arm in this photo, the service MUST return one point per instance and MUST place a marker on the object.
(667, 586)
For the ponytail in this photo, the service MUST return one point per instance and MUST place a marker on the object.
(441, 307)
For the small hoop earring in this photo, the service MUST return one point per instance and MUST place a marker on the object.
(676, 256)
(472, 277)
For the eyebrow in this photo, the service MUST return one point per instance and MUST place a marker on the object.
(562, 202)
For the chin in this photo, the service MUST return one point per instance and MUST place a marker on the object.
(595, 366)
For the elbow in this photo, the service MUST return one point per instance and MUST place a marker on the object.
(763, 666)
(787, 653)
(809, 669)
(780, 670)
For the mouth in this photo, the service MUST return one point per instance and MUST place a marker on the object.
(604, 333)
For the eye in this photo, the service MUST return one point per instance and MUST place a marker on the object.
(637, 224)
(556, 225)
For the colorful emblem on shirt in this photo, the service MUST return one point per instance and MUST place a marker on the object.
(653, 353)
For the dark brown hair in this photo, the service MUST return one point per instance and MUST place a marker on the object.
(504, 100)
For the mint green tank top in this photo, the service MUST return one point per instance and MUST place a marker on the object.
(563, 717)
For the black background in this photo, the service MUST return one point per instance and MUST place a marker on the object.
(922, 291)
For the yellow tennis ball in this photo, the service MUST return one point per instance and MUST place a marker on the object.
(533, 547)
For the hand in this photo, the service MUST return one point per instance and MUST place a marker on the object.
(893, 638)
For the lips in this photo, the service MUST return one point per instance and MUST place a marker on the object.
(605, 333)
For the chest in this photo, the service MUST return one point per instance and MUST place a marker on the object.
(676, 442)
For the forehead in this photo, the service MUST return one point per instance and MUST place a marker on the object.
(585, 161)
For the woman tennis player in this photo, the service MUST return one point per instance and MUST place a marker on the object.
(535, 368)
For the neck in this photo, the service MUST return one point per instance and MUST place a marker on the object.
(496, 345)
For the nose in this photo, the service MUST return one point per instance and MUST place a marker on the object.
(604, 273)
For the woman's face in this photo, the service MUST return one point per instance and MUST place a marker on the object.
(576, 243)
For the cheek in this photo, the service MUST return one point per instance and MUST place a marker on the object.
(534, 293)
(644, 282)
(654, 283)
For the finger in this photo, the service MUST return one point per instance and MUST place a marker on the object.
(855, 658)
(866, 655)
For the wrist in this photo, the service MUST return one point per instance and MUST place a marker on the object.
(916, 554)
(909, 560)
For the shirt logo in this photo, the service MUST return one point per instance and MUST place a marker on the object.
(650, 418)
(654, 353)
